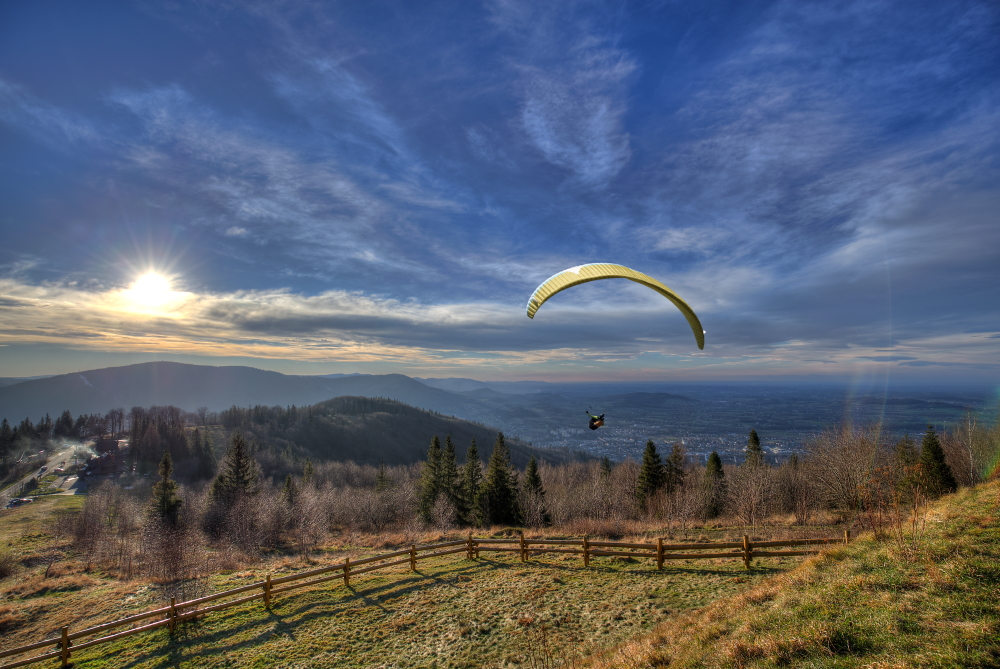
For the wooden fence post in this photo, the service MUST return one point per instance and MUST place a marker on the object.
(659, 553)
(524, 553)
(267, 592)
(468, 546)
(347, 571)
(64, 646)
(413, 558)
(746, 552)
(173, 614)
(586, 551)
(847, 536)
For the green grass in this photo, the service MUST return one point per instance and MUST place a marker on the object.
(933, 601)
(454, 612)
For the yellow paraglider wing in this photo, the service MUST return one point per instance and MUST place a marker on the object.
(574, 276)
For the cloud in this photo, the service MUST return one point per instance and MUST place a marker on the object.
(573, 82)
(45, 122)
(885, 358)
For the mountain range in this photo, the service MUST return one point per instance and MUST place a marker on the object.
(192, 386)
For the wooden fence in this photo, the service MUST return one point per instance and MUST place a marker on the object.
(169, 616)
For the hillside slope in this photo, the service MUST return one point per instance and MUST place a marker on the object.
(930, 600)
(372, 431)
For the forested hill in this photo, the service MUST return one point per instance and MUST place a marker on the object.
(372, 431)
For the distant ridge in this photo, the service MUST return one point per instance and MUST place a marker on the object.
(460, 385)
(11, 380)
(192, 386)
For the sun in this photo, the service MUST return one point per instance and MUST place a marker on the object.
(151, 290)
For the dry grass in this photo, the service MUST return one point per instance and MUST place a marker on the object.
(865, 605)
(494, 612)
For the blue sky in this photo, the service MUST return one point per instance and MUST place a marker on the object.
(379, 187)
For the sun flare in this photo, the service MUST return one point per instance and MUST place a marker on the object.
(151, 290)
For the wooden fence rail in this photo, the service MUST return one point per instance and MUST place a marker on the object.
(168, 616)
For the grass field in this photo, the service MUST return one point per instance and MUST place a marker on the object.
(929, 600)
(453, 612)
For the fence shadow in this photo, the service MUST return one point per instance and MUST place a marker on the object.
(284, 613)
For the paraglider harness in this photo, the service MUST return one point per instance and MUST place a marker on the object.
(595, 421)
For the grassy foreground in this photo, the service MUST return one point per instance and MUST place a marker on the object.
(930, 600)
(453, 612)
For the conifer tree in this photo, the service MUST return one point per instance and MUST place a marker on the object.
(532, 481)
(935, 472)
(715, 486)
(165, 502)
(430, 481)
(239, 473)
(289, 492)
(498, 493)
(535, 494)
(606, 467)
(64, 425)
(651, 474)
(905, 452)
(755, 454)
(382, 480)
(6, 439)
(448, 473)
(472, 478)
(308, 472)
(673, 470)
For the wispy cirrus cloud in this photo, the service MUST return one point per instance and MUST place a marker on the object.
(46, 122)
(573, 81)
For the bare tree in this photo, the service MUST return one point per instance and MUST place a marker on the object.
(841, 461)
(750, 487)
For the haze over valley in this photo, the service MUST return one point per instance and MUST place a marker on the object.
(704, 418)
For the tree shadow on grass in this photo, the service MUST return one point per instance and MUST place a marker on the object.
(212, 632)
(291, 610)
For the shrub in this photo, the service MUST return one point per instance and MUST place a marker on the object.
(8, 564)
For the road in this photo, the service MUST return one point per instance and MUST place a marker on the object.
(62, 455)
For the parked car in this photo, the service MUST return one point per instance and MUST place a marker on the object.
(58, 470)
(18, 502)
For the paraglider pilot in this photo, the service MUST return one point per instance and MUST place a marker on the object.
(595, 421)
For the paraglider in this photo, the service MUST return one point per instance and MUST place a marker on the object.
(574, 276)
(595, 421)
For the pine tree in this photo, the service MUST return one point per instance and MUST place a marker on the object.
(239, 474)
(715, 485)
(472, 478)
(289, 493)
(448, 473)
(755, 454)
(673, 470)
(6, 439)
(64, 425)
(905, 452)
(935, 472)
(498, 493)
(205, 454)
(532, 481)
(308, 472)
(165, 502)
(606, 467)
(535, 494)
(651, 475)
(430, 481)
(382, 480)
